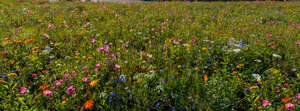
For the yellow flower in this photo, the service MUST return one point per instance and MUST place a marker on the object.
(188, 47)
(139, 80)
(94, 82)
(253, 87)
(204, 49)
(34, 51)
(11, 74)
(179, 66)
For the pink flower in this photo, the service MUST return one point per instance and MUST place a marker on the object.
(58, 82)
(285, 84)
(50, 26)
(54, 87)
(265, 103)
(66, 75)
(47, 93)
(298, 96)
(70, 90)
(298, 43)
(87, 72)
(84, 79)
(117, 66)
(23, 90)
(33, 74)
(74, 73)
(93, 41)
(47, 36)
(268, 35)
(141, 54)
(43, 71)
(296, 101)
(289, 106)
(117, 15)
(150, 56)
(276, 87)
(85, 67)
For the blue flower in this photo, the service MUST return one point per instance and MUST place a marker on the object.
(184, 109)
(121, 100)
(117, 81)
(15, 71)
(258, 84)
(157, 105)
(173, 108)
(28, 65)
(271, 78)
(247, 90)
(160, 70)
(113, 94)
(220, 80)
(173, 78)
(4, 76)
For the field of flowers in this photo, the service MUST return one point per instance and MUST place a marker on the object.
(141, 56)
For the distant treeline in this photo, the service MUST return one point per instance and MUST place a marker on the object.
(220, 0)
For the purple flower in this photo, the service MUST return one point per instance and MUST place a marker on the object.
(70, 90)
(23, 90)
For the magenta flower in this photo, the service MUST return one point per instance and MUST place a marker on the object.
(23, 90)
(70, 90)
(285, 84)
(33, 75)
(85, 79)
(47, 36)
(298, 43)
(265, 103)
(58, 82)
(268, 35)
(290, 106)
(117, 66)
(47, 93)
(50, 26)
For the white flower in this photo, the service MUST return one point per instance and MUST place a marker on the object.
(257, 60)
(277, 56)
(257, 76)
(236, 50)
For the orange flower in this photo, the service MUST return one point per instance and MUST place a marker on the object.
(43, 87)
(88, 104)
(35, 48)
(285, 100)
(30, 40)
(1, 81)
(205, 77)
(239, 66)
(84, 95)
(234, 73)
(93, 83)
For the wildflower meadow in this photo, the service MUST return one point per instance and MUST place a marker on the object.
(149, 56)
